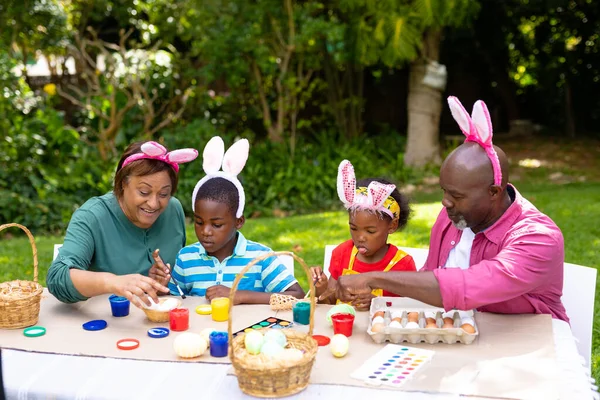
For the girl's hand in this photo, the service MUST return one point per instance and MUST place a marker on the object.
(319, 279)
(160, 272)
(217, 291)
(136, 288)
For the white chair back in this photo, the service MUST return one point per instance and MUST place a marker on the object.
(56, 248)
(579, 291)
(288, 261)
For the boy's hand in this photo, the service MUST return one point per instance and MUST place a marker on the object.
(160, 272)
(217, 291)
(319, 279)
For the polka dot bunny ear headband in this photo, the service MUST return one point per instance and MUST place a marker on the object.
(375, 197)
(232, 162)
(156, 151)
(477, 127)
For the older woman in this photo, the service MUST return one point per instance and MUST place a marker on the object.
(111, 239)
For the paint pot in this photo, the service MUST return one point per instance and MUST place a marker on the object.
(301, 312)
(119, 306)
(343, 323)
(218, 344)
(179, 319)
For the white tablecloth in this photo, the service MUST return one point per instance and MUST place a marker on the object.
(41, 376)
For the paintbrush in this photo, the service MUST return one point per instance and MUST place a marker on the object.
(158, 260)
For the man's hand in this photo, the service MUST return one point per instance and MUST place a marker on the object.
(363, 302)
(217, 291)
(136, 288)
(160, 272)
(351, 288)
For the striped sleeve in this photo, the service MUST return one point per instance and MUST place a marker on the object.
(275, 276)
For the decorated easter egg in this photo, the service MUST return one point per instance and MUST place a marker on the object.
(339, 345)
(276, 335)
(253, 341)
(189, 345)
(205, 333)
(339, 309)
(271, 349)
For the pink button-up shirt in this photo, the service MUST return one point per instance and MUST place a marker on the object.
(516, 264)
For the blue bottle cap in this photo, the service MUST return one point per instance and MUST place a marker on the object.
(158, 332)
(95, 325)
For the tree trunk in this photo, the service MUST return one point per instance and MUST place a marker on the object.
(424, 108)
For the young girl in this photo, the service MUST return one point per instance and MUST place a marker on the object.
(209, 266)
(376, 209)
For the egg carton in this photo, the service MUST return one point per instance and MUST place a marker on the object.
(395, 321)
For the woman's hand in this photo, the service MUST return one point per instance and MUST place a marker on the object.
(160, 272)
(136, 288)
(319, 279)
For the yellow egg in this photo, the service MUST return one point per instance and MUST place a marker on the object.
(253, 341)
(339, 345)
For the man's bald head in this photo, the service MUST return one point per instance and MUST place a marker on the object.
(472, 162)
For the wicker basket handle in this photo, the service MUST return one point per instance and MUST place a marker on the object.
(31, 242)
(247, 268)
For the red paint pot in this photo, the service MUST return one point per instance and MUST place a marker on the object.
(343, 323)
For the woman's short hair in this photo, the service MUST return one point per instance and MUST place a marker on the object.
(143, 167)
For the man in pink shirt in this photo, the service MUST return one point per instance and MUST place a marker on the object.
(490, 248)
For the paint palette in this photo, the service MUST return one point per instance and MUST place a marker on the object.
(393, 366)
(271, 322)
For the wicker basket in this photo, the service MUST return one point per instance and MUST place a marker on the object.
(268, 378)
(20, 300)
(157, 315)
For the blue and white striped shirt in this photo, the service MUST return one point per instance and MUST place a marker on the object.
(195, 270)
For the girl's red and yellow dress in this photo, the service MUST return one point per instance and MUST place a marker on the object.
(345, 262)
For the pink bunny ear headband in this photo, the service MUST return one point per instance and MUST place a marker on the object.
(477, 128)
(156, 151)
(232, 161)
(375, 197)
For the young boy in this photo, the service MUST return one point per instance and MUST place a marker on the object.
(209, 267)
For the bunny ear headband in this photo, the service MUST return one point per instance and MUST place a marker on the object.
(477, 128)
(156, 151)
(375, 197)
(232, 161)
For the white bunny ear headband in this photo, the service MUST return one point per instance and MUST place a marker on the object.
(232, 161)
(375, 197)
(477, 128)
(156, 151)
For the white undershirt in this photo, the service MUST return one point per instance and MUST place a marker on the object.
(460, 257)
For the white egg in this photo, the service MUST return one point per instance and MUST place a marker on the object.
(339, 345)
(396, 324)
(205, 333)
(271, 349)
(290, 355)
(189, 345)
(253, 341)
(275, 335)
(412, 325)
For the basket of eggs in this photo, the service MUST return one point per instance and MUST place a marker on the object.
(20, 300)
(272, 363)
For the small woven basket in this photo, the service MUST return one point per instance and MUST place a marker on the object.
(20, 300)
(268, 378)
(158, 315)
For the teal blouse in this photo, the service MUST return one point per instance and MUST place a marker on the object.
(101, 238)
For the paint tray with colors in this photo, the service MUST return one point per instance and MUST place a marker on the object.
(399, 319)
(271, 322)
(393, 366)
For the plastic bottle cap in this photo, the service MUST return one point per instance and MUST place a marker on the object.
(158, 332)
(204, 309)
(95, 325)
(128, 344)
(35, 331)
(321, 340)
